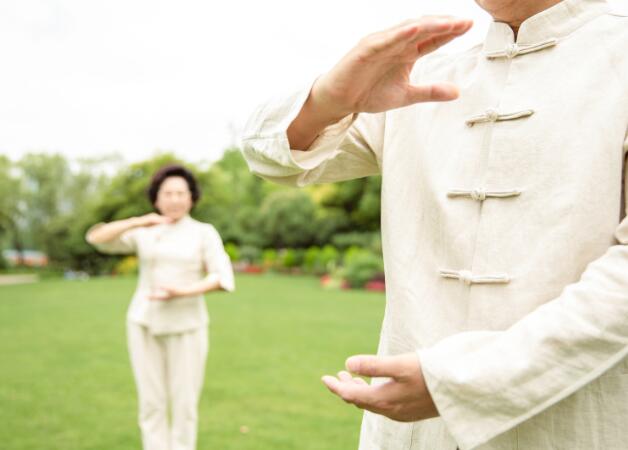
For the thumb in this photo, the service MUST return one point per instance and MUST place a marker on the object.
(438, 92)
(377, 366)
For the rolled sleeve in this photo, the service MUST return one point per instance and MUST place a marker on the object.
(217, 262)
(345, 150)
(125, 244)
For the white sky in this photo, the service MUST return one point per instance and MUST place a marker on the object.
(86, 77)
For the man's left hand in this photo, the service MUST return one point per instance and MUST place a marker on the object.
(404, 397)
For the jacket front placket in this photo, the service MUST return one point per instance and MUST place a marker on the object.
(481, 271)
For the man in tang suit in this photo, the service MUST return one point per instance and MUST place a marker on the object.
(503, 223)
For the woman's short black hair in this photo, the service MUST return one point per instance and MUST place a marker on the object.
(173, 170)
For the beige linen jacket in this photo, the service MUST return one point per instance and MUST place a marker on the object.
(176, 254)
(505, 244)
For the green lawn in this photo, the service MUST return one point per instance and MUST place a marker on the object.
(66, 384)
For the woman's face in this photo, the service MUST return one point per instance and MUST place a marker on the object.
(174, 198)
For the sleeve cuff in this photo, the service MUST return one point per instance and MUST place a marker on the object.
(466, 436)
(324, 145)
(124, 244)
(226, 282)
(265, 138)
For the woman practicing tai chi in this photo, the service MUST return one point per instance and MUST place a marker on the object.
(180, 259)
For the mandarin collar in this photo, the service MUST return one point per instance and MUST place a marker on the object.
(555, 22)
(182, 222)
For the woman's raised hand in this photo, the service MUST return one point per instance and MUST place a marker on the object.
(148, 220)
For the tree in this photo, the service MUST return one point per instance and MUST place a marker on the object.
(9, 204)
(126, 194)
(231, 200)
(56, 204)
(43, 189)
(288, 219)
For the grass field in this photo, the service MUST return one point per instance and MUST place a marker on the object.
(66, 384)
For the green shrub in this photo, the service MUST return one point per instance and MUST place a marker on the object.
(361, 266)
(289, 258)
(269, 258)
(367, 240)
(127, 266)
(328, 259)
(250, 254)
(233, 251)
(311, 261)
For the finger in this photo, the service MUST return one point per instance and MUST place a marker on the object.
(162, 293)
(438, 92)
(332, 383)
(414, 21)
(417, 30)
(345, 376)
(433, 43)
(462, 26)
(359, 395)
(380, 366)
(444, 28)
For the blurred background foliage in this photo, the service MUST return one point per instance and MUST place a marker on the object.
(48, 202)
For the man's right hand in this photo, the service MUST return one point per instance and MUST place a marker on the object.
(375, 76)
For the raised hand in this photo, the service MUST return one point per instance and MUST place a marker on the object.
(148, 220)
(375, 76)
